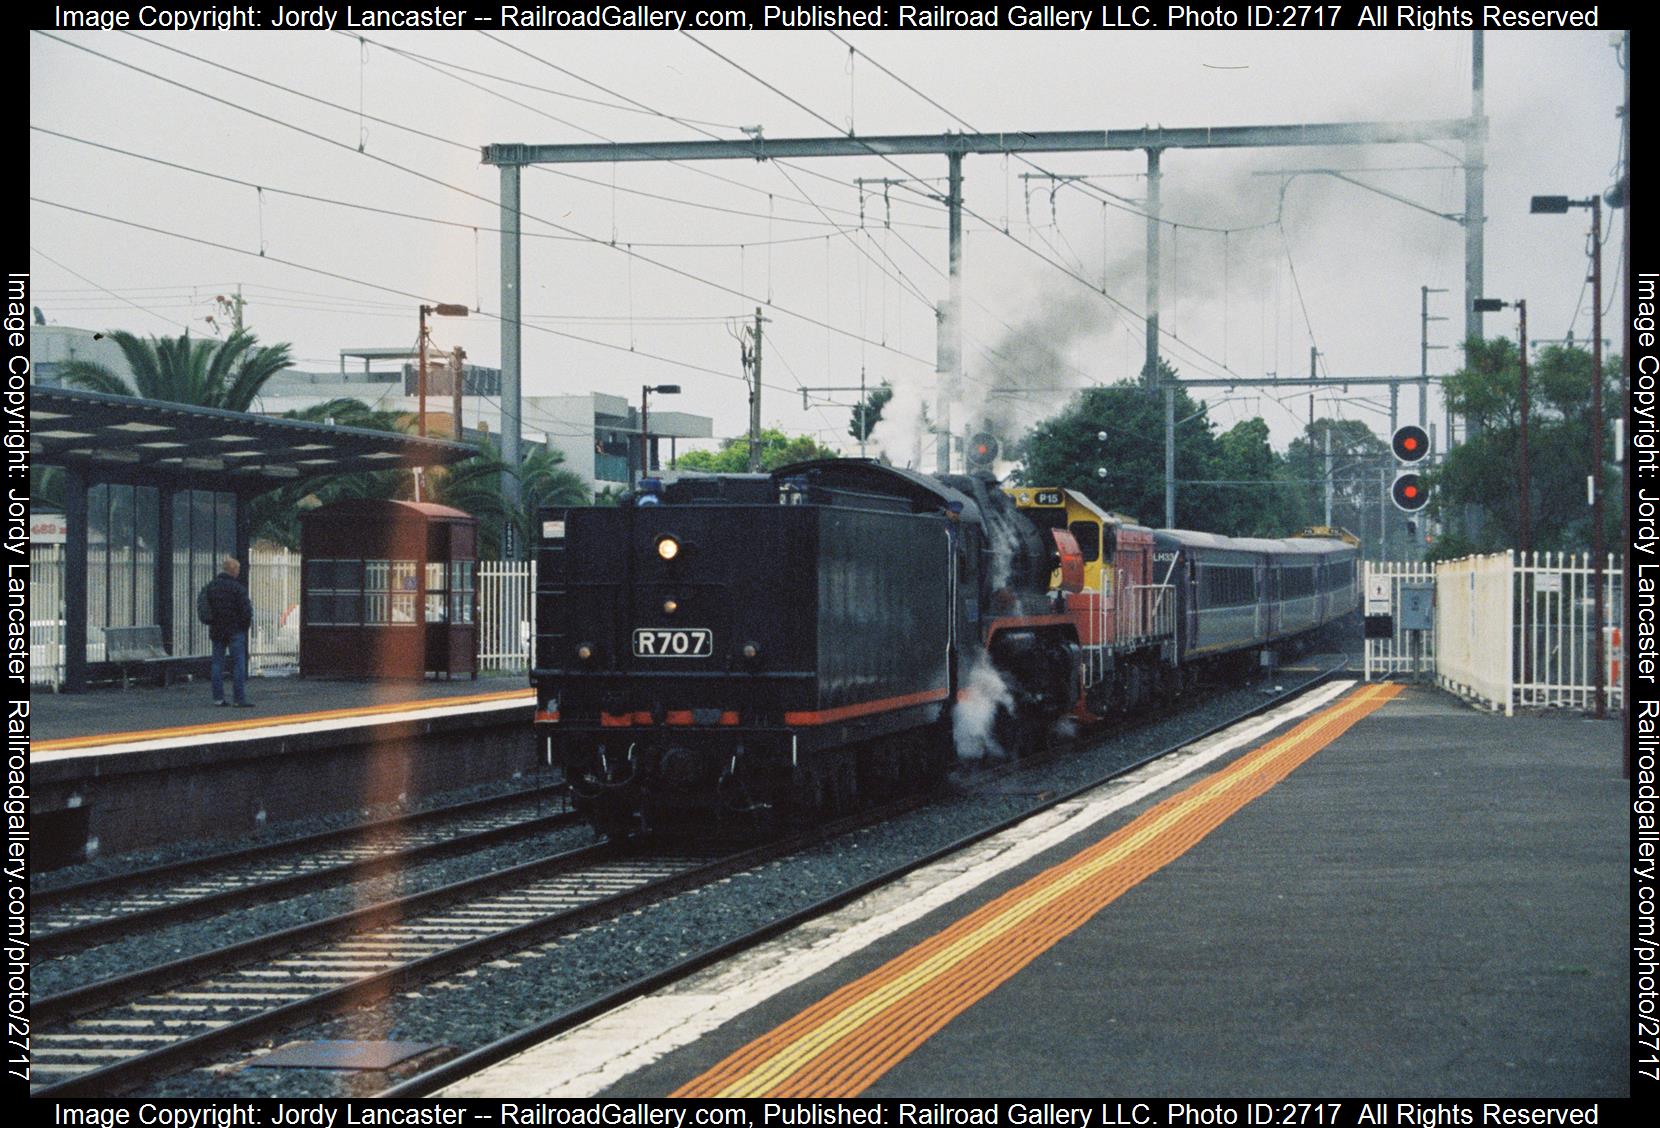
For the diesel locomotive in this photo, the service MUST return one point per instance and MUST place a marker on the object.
(743, 649)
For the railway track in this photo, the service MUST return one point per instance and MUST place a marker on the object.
(75, 917)
(431, 1080)
(118, 1031)
(113, 1036)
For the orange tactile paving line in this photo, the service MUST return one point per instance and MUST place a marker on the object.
(842, 1044)
(70, 742)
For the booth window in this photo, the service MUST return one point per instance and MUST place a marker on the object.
(437, 593)
(404, 590)
(334, 592)
(461, 591)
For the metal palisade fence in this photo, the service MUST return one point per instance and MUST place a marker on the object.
(1510, 632)
(505, 615)
(1405, 653)
(1555, 648)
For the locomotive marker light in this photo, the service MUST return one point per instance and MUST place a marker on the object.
(1409, 493)
(1410, 443)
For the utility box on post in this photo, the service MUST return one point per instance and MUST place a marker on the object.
(1417, 608)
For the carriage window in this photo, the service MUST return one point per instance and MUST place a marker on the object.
(1224, 586)
(1295, 583)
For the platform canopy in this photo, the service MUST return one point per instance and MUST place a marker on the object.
(246, 453)
(156, 495)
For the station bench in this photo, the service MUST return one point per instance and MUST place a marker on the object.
(129, 646)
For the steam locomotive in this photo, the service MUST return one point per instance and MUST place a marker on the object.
(745, 649)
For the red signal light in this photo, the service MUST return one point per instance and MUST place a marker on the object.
(1409, 493)
(1410, 443)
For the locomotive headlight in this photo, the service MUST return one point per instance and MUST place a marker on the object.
(751, 650)
(585, 651)
(670, 607)
(667, 547)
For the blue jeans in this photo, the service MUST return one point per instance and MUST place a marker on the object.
(238, 650)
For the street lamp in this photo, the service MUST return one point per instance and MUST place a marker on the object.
(645, 435)
(1558, 205)
(442, 310)
(1524, 531)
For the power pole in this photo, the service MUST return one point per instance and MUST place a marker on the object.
(752, 362)
(1328, 476)
(1524, 533)
(237, 315)
(457, 355)
(951, 329)
(1313, 354)
(1423, 355)
(1169, 454)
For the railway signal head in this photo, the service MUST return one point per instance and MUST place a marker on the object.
(1409, 492)
(1410, 443)
(982, 449)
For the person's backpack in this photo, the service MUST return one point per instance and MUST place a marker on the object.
(204, 606)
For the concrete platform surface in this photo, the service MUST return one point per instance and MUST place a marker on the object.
(1433, 904)
(141, 709)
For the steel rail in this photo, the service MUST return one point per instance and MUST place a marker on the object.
(427, 1082)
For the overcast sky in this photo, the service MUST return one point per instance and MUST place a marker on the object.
(1309, 260)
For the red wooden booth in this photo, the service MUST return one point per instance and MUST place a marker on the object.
(389, 590)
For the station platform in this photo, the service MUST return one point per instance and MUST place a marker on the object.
(1370, 891)
(114, 770)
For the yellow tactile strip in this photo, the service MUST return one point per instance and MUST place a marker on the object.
(842, 1044)
(69, 742)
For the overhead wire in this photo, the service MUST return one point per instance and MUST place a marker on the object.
(381, 286)
(111, 293)
(1064, 268)
(690, 275)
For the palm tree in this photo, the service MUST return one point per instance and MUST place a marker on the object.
(275, 516)
(474, 486)
(225, 374)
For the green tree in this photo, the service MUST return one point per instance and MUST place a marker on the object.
(777, 449)
(1262, 489)
(1482, 471)
(868, 411)
(275, 516)
(1067, 450)
(1361, 467)
(474, 486)
(226, 374)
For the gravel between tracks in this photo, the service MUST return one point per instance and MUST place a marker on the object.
(132, 862)
(470, 1009)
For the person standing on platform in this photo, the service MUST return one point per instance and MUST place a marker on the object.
(228, 612)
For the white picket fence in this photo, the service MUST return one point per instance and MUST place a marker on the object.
(1555, 646)
(1406, 653)
(46, 615)
(1512, 633)
(1508, 634)
(505, 614)
(274, 587)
